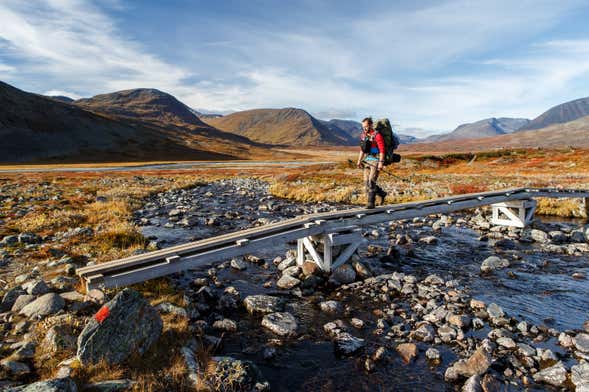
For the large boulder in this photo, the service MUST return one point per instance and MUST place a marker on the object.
(262, 304)
(344, 274)
(43, 306)
(493, 263)
(282, 324)
(10, 297)
(555, 375)
(127, 324)
(65, 384)
(477, 364)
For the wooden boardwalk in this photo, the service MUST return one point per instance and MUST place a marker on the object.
(191, 255)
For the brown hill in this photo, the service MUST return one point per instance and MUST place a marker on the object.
(563, 113)
(289, 126)
(484, 128)
(573, 133)
(37, 128)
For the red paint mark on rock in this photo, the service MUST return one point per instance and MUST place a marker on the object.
(102, 314)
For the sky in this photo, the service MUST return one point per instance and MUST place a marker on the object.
(429, 66)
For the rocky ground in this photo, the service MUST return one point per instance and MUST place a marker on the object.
(262, 322)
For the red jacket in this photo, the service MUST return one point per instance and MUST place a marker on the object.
(377, 141)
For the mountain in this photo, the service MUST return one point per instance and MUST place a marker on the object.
(350, 127)
(288, 126)
(34, 128)
(559, 114)
(151, 107)
(574, 133)
(61, 98)
(483, 128)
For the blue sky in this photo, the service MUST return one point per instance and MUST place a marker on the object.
(430, 65)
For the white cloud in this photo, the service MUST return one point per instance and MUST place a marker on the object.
(60, 93)
(352, 68)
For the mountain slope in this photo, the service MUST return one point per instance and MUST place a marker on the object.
(559, 114)
(38, 128)
(289, 126)
(574, 133)
(483, 128)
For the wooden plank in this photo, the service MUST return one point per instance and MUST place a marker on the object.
(300, 252)
(586, 202)
(327, 255)
(344, 239)
(314, 254)
(346, 254)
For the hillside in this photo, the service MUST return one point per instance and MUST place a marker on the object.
(483, 128)
(35, 128)
(566, 112)
(573, 133)
(289, 126)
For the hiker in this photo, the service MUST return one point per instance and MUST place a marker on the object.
(372, 158)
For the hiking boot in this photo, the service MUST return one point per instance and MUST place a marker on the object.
(371, 197)
(381, 194)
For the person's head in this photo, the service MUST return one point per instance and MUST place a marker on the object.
(367, 124)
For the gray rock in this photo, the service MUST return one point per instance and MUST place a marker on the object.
(495, 311)
(446, 333)
(582, 342)
(425, 333)
(170, 308)
(36, 287)
(433, 354)
(110, 386)
(262, 304)
(65, 384)
(473, 384)
(539, 235)
(225, 325)
(580, 375)
(21, 302)
(43, 306)
(526, 350)
(506, 342)
(476, 364)
(286, 263)
(10, 297)
(59, 338)
(127, 324)
(282, 324)
(347, 344)
(565, 340)
(555, 375)
(330, 307)
(493, 263)
(15, 368)
(407, 351)
(287, 282)
(238, 264)
(294, 271)
(344, 274)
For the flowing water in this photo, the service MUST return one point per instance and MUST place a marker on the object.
(538, 288)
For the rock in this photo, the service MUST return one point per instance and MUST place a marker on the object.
(25, 352)
(473, 384)
(425, 333)
(287, 282)
(506, 342)
(21, 302)
(459, 320)
(65, 384)
(565, 340)
(580, 376)
(225, 325)
(493, 263)
(581, 342)
(241, 375)
(476, 364)
(344, 274)
(110, 386)
(555, 375)
(433, 354)
(282, 324)
(331, 307)
(446, 333)
(10, 297)
(347, 344)
(357, 323)
(310, 268)
(59, 338)
(262, 304)
(539, 235)
(238, 264)
(408, 351)
(43, 306)
(429, 240)
(288, 262)
(169, 308)
(36, 287)
(125, 325)
(495, 311)
(362, 271)
(15, 368)
(526, 350)
(29, 238)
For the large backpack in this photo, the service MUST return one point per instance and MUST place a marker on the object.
(391, 140)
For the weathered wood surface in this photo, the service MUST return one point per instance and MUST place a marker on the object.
(191, 255)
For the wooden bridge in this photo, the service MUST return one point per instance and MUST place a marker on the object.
(513, 207)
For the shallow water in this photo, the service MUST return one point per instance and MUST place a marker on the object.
(540, 290)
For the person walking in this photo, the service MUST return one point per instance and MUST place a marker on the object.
(371, 158)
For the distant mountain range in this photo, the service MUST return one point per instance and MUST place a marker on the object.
(286, 127)
(148, 124)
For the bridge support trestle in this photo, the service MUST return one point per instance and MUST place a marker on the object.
(586, 204)
(516, 213)
(330, 250)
